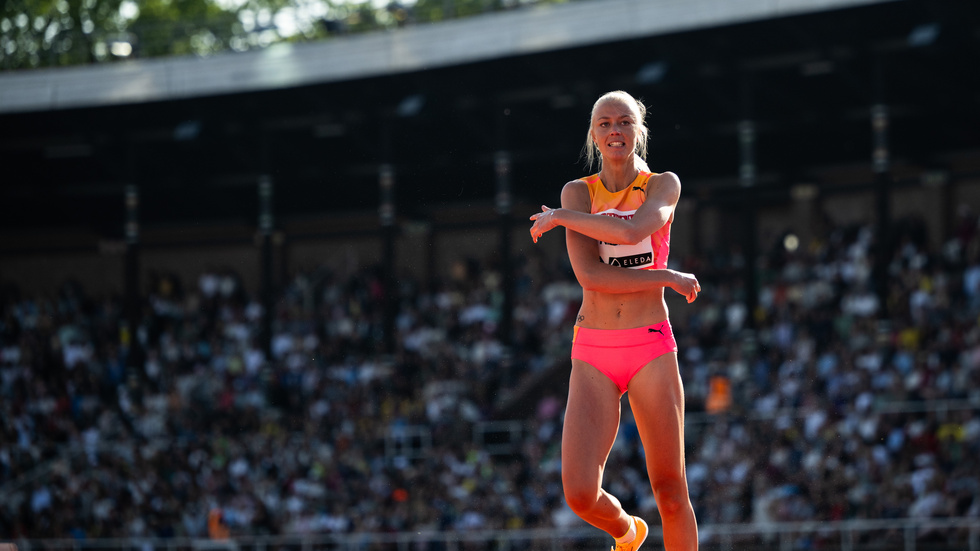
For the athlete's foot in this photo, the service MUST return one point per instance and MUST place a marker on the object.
(641, 536)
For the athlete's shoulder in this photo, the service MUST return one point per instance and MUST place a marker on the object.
(670, 175)
(579, 185)
(665, 181)
(577, 192)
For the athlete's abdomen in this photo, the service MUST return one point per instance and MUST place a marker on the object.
(622, 311)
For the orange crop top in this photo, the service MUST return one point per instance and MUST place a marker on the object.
(651, 252)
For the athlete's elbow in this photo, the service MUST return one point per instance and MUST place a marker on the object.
(592, 282)
(633, 236)
(587, 281)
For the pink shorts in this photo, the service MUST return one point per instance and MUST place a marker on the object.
(621, 353)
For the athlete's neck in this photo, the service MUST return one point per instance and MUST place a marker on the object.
(618, 176)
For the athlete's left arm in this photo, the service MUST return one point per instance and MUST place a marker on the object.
(663, 192)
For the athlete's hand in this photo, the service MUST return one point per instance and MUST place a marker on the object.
(543, 221)
(686, 284)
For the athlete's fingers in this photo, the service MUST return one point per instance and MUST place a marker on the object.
(545, 208)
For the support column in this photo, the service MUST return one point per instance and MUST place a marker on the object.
(386, 215)
(937, 207)
(134, 354)
(749, 209)
(805, 211)
(504, 201)
(881, 164)
(266, 225)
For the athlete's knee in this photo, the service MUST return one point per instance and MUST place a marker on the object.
(671, 495)
(581, 499)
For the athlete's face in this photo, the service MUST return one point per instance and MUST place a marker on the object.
(614, 129)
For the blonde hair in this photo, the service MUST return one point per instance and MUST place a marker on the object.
(591, 151)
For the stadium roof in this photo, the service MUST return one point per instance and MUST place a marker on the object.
(807, 78)
(541, 28)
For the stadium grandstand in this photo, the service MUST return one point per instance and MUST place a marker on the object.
(281, 295)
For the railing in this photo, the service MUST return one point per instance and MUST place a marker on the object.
(959, 534)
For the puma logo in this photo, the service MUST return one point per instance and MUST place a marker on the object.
(652, 330)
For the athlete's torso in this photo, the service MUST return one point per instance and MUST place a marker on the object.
(622, 311)
(651, 252)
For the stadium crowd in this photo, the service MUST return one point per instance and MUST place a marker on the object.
(813, 406)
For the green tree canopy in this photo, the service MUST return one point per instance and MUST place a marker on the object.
(45, 33)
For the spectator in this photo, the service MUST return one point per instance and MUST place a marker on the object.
(834, 414)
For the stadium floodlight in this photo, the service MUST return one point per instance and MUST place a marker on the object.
(651, 73)
(923, 35)
(187, 131)
(411, 105)
(791, 242)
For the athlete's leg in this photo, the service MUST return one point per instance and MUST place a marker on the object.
(656, 396)
(590, 428)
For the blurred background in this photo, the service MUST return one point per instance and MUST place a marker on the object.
(266, 279)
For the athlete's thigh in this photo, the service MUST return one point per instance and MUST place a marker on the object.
(656, 397)
(591, 423)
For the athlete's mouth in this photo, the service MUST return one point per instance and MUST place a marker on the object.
(616, 144)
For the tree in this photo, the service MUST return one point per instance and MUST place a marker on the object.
(43, 33)
(46, 33)
(35, 33)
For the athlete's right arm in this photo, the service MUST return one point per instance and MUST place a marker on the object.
(662, 193)
(595, 275)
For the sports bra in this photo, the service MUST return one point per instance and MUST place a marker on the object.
(651, 252)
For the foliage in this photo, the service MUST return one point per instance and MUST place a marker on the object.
(46, 33)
